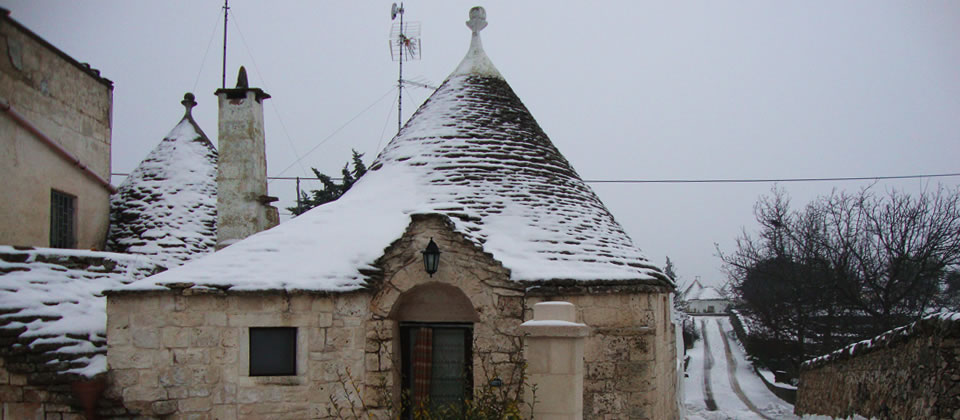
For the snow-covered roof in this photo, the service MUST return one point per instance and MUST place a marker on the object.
(697, 291)
(692, 289)
(52, 309)
(706, 293)
(166, 208)
(473, 153)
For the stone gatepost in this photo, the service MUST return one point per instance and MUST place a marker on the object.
(554, 354)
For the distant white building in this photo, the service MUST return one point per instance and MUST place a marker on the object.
(702, 299)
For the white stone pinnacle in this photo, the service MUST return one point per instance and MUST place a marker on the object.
(478, 20)
(476, 62)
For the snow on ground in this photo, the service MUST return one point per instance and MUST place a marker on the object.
(709, 390)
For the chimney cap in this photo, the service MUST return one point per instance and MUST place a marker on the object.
(242, 82)
(243, 86)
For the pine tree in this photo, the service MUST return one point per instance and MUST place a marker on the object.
(670, 270)
(331, 189)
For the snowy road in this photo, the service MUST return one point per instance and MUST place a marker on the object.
(721, 384)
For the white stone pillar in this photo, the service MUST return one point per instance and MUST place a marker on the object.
(554, 354)
(242, 202)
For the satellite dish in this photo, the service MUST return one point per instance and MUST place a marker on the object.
(393, 12)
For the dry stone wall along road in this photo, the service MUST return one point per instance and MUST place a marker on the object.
(721, 384)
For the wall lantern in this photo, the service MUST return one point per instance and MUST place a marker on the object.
(431, 257)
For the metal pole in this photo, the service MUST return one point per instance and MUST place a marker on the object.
(299, 209)
(223, 74)
(403, 40)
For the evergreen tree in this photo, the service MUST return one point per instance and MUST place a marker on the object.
(670, 270)
(331, 190)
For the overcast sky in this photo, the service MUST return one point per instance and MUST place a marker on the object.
(626, 90)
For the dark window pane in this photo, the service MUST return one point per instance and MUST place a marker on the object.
(449, 367)
(273, 351)
(62, 220)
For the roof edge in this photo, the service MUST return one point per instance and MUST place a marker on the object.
(84, 67)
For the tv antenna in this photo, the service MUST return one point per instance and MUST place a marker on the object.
(404, 46)
(223, 74)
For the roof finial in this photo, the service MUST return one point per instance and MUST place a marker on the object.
(242, 79)
(476, 61)
(478, 20)
(188, 102)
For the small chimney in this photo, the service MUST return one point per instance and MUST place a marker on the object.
(243, 206)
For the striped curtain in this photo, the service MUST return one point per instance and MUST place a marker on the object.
(422, 366)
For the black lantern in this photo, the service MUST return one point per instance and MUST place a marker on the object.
(431, 257)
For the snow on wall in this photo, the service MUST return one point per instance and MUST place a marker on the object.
(166, 208)
(472, 152)
(941, 321)
(52, 304)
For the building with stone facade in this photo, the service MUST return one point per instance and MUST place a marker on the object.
(340, 309)
(54, 144)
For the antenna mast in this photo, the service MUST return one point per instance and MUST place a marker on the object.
(223, 74)
(403, 37)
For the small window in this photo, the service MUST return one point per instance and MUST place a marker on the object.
(273, 351)
(63, 216)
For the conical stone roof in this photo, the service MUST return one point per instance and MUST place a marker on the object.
(487, 164)
(166, 208)
(472, 152)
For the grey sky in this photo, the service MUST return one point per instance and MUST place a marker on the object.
(626, 90)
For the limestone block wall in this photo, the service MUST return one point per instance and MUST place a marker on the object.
(70, 104)
(182, 355)
(488, 296)
(911, 372)
(20, 400)
(630, 354)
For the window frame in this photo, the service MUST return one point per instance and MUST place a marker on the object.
(254, 351)
(406, 378)
(63, 219)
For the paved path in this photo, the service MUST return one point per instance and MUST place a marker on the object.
(732, 372)
(707, 365)
(721, 384)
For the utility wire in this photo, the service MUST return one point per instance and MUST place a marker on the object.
(693, 181)
(384, 130)
(205, 53)
(763, 180)
(325, 139)
(273, 103)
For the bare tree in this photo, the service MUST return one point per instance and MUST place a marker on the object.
(848, 265)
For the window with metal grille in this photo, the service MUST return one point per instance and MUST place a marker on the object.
(436, 365)
(63, 217)
(273, 351)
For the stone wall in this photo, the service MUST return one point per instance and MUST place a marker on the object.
(21, 400)
(910, 372)
(187, 355)
(72, 105)
(181, 353)
(497, 305)
(630, 355)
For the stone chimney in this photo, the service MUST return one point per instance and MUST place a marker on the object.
(243, 206)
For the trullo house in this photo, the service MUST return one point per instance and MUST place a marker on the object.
(166, 209)
(292, 321)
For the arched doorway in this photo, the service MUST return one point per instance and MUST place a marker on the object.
(435, 323)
